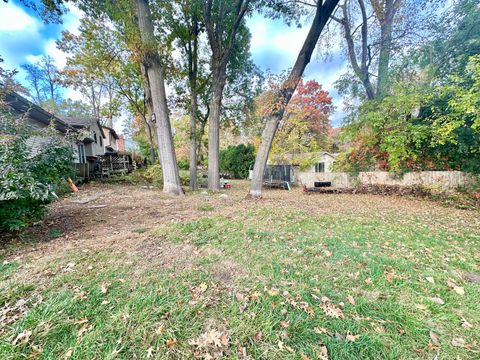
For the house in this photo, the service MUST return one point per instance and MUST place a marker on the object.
(37, 118)
(323, 163)
(111, 140)
(92, 138)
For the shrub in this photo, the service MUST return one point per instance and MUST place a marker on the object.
(29, 181)
(237, 160)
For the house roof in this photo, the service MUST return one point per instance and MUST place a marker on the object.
(35, 112)
(111, 130)
(83, 122)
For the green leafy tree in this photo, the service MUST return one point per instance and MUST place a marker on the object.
(237, 160)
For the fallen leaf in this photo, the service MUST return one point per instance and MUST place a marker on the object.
(258, 336)
(320, 330)
(83, 330)
(466, 324)
(350, 299)
(23, 337)
(434, 338)
(104, 288)
(150, 352)
(305, 357)
(272, 292)
(285, 324)
(430, 279)
(458, 342)
(68, 354)
(351, 338)
(368, 281)
(330, 309)
(328, 253)
(459, 290)
(81, 321)
(323, 353)
(170, 343)
(389, 275)
(437, 300)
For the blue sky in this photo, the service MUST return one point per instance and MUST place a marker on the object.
(24, 37)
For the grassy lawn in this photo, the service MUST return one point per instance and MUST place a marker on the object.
(291, 276)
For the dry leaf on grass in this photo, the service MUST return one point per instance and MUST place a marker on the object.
(285, 324)
(86, 327)
(323, 353)
(437, 300)
(368, 281)
(351, 338)
(350, 299)
(389, 275)
(458, 342)
(320, 330)
(330, 309)
(466, 324)
(258, 336)
(23, 337)
(170, 343)
(150, 351)
(459, 290)
(434, 338)
(430, 279)
(68, 354)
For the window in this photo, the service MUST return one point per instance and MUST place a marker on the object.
(95, 137)
(320, 167)
(81, 154)
(101, 141)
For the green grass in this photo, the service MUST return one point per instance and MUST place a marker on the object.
(285, 262)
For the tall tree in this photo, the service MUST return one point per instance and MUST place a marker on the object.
(322, 14)
(44, 82)
(374, 30)
(155, 75)
(224, 22)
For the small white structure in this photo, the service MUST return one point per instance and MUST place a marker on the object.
(323, 163)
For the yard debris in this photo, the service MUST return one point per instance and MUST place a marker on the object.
(453, 286)
(170, 343)
(437, 300)
(465, 323)
(213, 343)
(69, 267)
(458, 342)
(350, 299)
(389, 275)
(430, 279)
(323, 355)
(368, 281)
(68, 354)
(23, 337)
(350, 337)
(330, 309)
(434, 338)
(472, 277)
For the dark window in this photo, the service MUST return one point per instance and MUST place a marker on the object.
(81, 154)
(320, 167)
(101, 141)
(95, 137)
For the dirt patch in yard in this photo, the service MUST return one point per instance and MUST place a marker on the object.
(175, 257)
(227, 272)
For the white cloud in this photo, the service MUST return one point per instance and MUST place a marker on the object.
(14, 19)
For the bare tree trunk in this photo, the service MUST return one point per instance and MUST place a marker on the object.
(214, 130)
(322, 14)
(193, 139)
(148, 116)
(171, 179)
(386, 26)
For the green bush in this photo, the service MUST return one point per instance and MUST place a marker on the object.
(237, 160)
(29, 181)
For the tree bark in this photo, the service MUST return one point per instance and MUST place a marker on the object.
(148, 114)
(322, 14)
(193, 139)
(219, 80)
(168, 160)
(386, 27)
(222, 42)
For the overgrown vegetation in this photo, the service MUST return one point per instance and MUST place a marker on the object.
(29, 179)
(237, 160)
